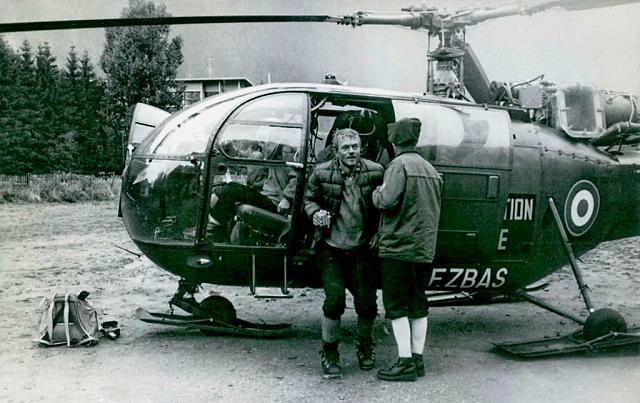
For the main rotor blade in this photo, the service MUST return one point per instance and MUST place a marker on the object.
(524, 7)
(586, 4)
(581, 4)
(122, 22)
(426, 18)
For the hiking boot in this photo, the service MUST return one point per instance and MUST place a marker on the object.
(331, 367)
(417, 360)
(366, 355)
(403, 370)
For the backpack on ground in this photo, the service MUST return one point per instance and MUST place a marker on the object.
(68, 319)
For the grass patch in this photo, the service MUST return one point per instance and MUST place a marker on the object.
(59, 187)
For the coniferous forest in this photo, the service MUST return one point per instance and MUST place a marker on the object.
(66, 116)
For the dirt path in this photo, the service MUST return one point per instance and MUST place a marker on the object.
(69, 248)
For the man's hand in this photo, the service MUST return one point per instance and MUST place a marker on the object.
(375, 241)
(284, 206)
(322, 218)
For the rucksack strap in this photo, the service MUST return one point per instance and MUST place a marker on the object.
(50, 318)
(67, 331)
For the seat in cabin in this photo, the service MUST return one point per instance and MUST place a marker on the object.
(259, 227)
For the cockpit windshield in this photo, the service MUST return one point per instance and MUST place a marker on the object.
(188, 131)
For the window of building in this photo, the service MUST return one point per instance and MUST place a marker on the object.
(191, 97)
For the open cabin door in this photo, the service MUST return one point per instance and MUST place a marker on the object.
(145, 118)
(254, 193)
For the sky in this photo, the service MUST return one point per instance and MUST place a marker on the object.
(598, 47)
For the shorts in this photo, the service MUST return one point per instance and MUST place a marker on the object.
(403, 286)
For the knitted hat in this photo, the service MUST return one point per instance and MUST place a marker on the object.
(404, 131)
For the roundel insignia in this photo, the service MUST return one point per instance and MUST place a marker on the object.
(581, 207)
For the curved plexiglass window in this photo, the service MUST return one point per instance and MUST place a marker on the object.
(281, 108)
(188, 131)
(162, 200)
(260, 142)
(460, 136)
(193, 135)
(269, 128)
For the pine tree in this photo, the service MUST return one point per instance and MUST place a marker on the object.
(94, 155)
(58, 143)
(70, 89)
(70, 119)
(27, 75)
(50, 120)
(25, 141)
(8, 99)
(8, 60)
(72, 72)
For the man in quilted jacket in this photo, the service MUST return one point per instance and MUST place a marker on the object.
(338, 202)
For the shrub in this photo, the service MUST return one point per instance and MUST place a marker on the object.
(58, 187)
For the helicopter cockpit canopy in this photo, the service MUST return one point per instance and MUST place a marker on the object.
(166, 176)
(165, 173)
(189, 130)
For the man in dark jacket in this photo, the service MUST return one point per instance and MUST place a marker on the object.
(338, 201)
(409, 200)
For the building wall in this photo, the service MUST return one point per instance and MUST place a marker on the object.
(197, 89)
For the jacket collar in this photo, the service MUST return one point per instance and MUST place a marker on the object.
(337, 165)
(414, 151)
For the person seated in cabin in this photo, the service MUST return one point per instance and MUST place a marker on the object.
(269, 191)
(256, 175)
(280, 184)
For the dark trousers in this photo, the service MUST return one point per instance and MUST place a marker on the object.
(347, 270)
(403, 285)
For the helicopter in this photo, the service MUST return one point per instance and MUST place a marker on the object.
(533, 176)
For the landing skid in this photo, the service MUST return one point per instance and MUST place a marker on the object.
(603, 329)
(573, 343)
(212, 326)
(214, 315)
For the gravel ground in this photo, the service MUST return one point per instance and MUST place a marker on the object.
(70, 247)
